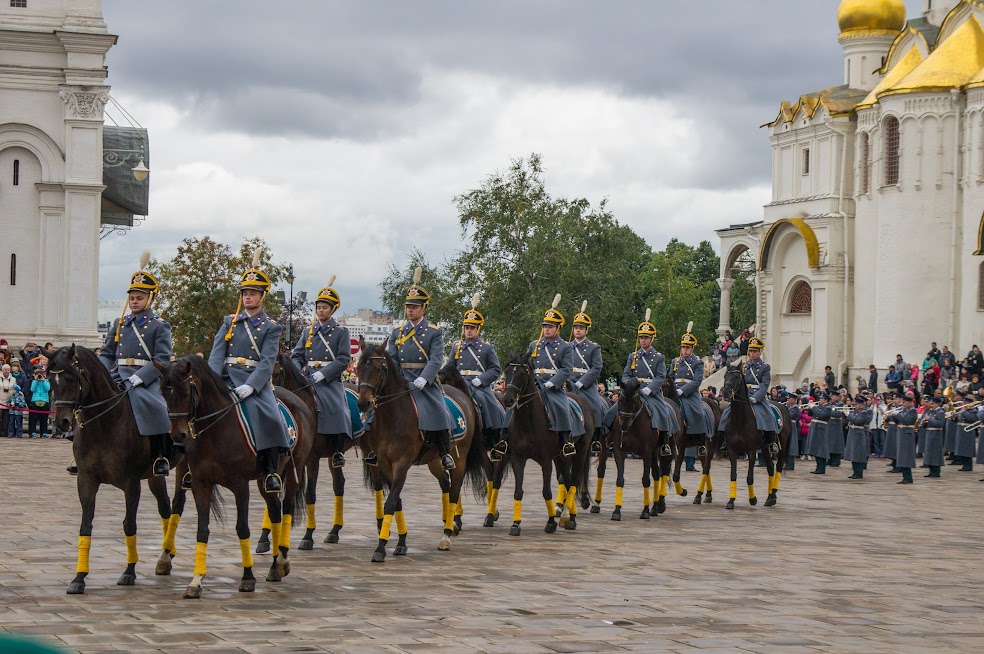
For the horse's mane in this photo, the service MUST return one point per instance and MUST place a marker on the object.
(450, 374)
(290, 370)
(88, 361)
(199, 366)
(375, 350)
(669, 390)
(630, 387)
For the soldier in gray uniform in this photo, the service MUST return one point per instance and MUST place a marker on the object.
(964, 448)
(418, 348)
(758, 377)
(858, 444)
(934, 420)
(586, 372)
(244, 353)
(835, 429)
(323, 354)
(132, 346)
(891, 451)
(906, 419)
(816, 438)
(687, 371)
(476, 361)
(553, 363)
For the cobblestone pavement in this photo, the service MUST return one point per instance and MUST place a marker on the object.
(837, 566)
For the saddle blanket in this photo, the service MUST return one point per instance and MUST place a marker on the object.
(577, 411)
(778, 417)
(358, 425)
(246, 424)
(457, 418)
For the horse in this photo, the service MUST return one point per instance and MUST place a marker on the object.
(530, 437)
(399, 445)
(742, 437)
(108, 449)
(683, 440)
(204, 421)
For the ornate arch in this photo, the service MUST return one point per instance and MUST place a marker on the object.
(809, 240)
(798, 298)
(31, 138)
(980, 238)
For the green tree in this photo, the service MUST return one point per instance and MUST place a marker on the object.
(393, 289)
(743, 293)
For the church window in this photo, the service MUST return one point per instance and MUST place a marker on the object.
(865, 163)
(891, 151)
(16, 172)
(801, 298)
(806, 161)
(13, 270)
(18, 3)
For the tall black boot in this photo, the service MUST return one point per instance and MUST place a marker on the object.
(596, 440)
(338, 443)
(268, 460)
(161, 465)
(442, 441)
(568, 448)
(770, 442)
(498, 451)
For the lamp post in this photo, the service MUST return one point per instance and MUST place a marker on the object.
(290, 306)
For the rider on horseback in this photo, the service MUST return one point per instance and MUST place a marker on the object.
(758, 376)
(688, 372)
(418, 348)
(587, 370)
(244, 353)
(323, 353)
(649, 367)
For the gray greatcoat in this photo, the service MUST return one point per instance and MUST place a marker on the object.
(477, 360)
(687, 374)
(649, 367)
(135, 355)
(858, 442)
(816, 438)
(891, 450)
(964, 444)
(587, 371)
(950, 435)
(906, 455)
(241, 362)
(329, 353)
(419, 351)
(554, 362)
(758, 376)
(794, 418)
(934, 421)
(835, 430)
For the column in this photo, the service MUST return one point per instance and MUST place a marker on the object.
(725, 283)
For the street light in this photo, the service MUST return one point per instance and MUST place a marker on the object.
(290, 307)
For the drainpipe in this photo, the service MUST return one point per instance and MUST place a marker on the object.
(954, 224)
(842, 364)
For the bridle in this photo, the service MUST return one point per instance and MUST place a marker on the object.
(190, 414)
(521, 398)
(375, 398)
(76, 404)
(623, 415)
(732, 396)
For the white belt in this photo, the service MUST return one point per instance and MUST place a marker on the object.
(822, 422)
(580, 370)
(648, 380)
(470, 372)
(856, 427)
(132, 362)
(934, 429)
(413, 366)
(546, 371)
(318, 364)
(964, 424)
(681, 380)
(752, 385)
(242, 361)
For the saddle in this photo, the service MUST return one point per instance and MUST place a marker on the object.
(358, 425)
(777, 415)
(458, 423)
(246, 424)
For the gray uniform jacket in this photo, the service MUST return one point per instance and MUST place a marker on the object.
(816, 438)
(132, 357)
(758, 376)
(329, 354)
(688, 373)
(891, 450)
(587, 370)
(835, 430)
(650, 369)
(477, 360)
(906, 455)
(964, 444)
(934, 420)
(419, 351)
(794, 436)
(554, 362)
(858, 445)
(238, 361)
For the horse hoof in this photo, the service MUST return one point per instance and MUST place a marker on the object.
(571, 525)
(456, 529)
(272, 575)
(444, 545)
(306, 545)
(595, 508)
(684, 493)
(497, 516)
(247, 585)
(550, 527)
(283, 569)
(769, 502)
(697, 500)
(514, 530)
(585, 503)
(753, 501)
(192, 592)
(617, 516)
(489, 521)
(332, 537)
(708, 498)
(127, 580)
(76, 588)
(730, 505)
(378, 557)
(401, 550)
(563, 521)
(661, 507)
(163, 568)
(262, 546)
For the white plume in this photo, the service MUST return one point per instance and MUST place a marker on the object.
(690, 326)
(649, 312)
(556, 301)
(144, 259)
(331, 280)
(584, 306)
(256, 257)
(475, 300)
(417, 272)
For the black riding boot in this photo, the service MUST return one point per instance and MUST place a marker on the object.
(337, 458)
(567, 449)
(596, 441)
(268, 460)
(770, 443)
(442, 441)
(498, 451)
(161, 465)
(702, 449)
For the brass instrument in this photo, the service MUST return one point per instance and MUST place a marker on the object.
(974, 425)
(843, 409)
(890, 412)
(954, 410)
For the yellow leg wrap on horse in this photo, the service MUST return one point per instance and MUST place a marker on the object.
(572, 500)
(83, 564)
(707, 486)
(311, 523)
(778, 477)
(449, 523)
(772, 483)
(551, 509)
(488, 488)
(561, 494)
(378, 495)
(678, 487)
(164, 522)
(384, 531)
(517, 510)
(200, 550)
(751, 491)
(266, 519)
(247, 552)
(285, 530)
(172, 529)
(458, 509)
(401, 523)
(734, 490)
(339, 518)
(493, 498)
(275, 538)
(446, 513)
(646, 497)
(665, 486)
(598, 486)
(700, 486)
(131, 549)
(618, 495)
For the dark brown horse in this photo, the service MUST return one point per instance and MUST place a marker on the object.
(204, 421)
(683, 440)
(399, 445)
(107, 446)
(743, 437)
(530, 438)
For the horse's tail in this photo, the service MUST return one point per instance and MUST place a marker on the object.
(217, 504)
(300, 503)
(477, 468)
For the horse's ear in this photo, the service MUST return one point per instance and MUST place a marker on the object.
(71, 352)
(384, 343)
(161, 368)
(185, 368)
(362, 343)
(48, 354)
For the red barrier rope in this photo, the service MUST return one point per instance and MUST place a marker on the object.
(17, 408)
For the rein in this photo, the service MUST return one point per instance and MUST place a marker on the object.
(521, 399)
(377, 399)
(193, 404)
(78, 407)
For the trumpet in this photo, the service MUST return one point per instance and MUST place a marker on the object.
(954, 410)
(888, 414)
(843, 409)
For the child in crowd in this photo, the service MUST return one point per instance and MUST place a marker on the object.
(17, 404)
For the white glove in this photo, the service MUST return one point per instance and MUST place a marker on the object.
(244, 391)
(135, 381)
(579, 385)
(754, 400)
(680, 392)
(549, 384)
(646, 391)
(317, 376)
(419, 383)
(476, 382)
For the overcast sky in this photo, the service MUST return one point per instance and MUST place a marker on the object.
(341, 131)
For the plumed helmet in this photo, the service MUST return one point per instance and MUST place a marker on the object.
(473, 316)
(329, 294)
(647, 328)
(582, 318)
(142, 280)
(552, 316)
(756, 343)
(416, 294)
(253, 278)
(689, 338)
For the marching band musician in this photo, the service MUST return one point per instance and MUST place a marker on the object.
(933, 420)
(892, 432)
(835, 429)
(816, 439)
(906, 419)
(964, 449)
(858, 444)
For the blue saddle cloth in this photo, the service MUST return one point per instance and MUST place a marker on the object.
(246, 424)
(577, 409)
(358, 425)
(457, 419)
(778, 416)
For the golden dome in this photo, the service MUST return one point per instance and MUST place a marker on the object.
(871, 15)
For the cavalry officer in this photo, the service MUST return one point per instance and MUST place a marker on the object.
(934, 420)
(906, 419)
(553, 364)
(586, 371)
(816, 438)
(418, 348)
(964, 448)
(323, 353)
(858, 446)
(132, 346)
(687, 371)
(758, 376)
(244, 353)
(835, 429)
(478, 364)
(649, 367)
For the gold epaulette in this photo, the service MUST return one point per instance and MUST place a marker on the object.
(432, 325)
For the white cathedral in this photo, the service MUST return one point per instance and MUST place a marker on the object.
(872, 244)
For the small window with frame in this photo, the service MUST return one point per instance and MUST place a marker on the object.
(806, 161)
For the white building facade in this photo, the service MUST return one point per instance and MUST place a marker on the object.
(872, 244)
(52, 85)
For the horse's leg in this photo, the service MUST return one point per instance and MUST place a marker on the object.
(132, 498)
(750, 479)
(770, 467)
(551, 525)
(561, 488)
(88, 488)
(392, 504)
(705, 464)
(312, 469)
(459, 511)
(248, 582)
(518, 467)
(203, 504)
(263, 542)
(377, 496)
(493, 514)
(401, 530)
(677, 462)
(733, 491)
(447, 508)
(780, 467)
(708, 497)
(602, 460)
(158, 486)
(168, 549)
(338, 516)
(275, 511)
(647, 468)
(619, 482)
(663, 466)
(457, 476)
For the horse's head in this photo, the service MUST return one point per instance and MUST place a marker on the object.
(70, 385)
(628, 399)
(182, 394)
(373, 372)
(287, 374)
(734, 379)
(669, 390)
(519, 379)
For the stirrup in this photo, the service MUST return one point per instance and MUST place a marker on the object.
(701, 450)
(447, 462)
(72, 468)
(773, 448)
(371, 459)
(596, 446)
(337, 460)
(665, 450)
(498, 451)
(186, 481)
(568, 449)
(272, 483)
(161, 464)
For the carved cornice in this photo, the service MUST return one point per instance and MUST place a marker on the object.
(85, 102)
